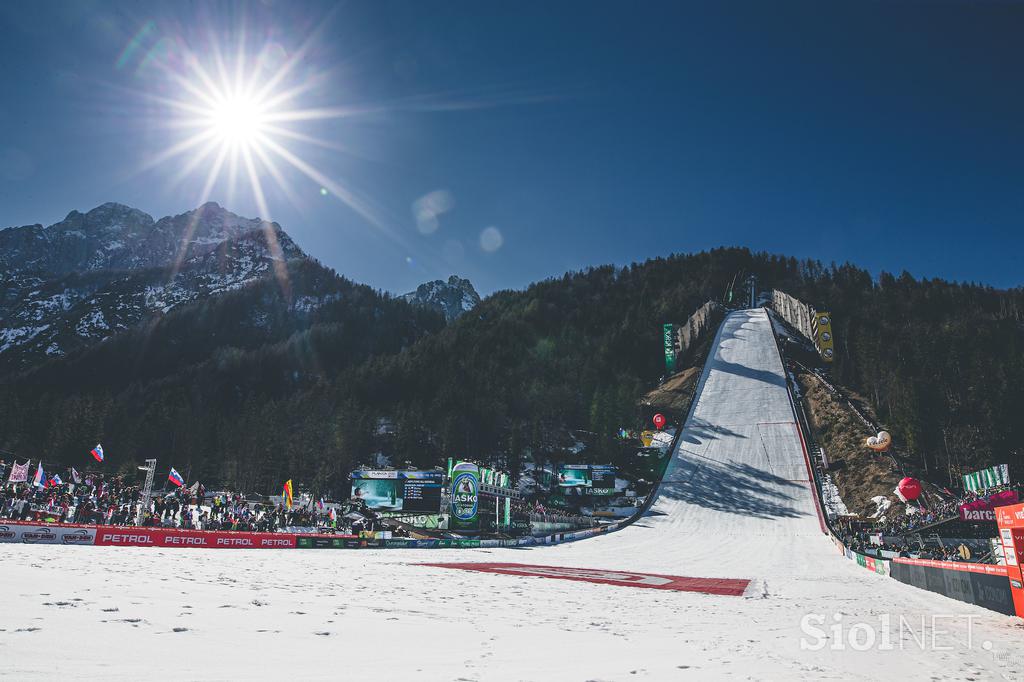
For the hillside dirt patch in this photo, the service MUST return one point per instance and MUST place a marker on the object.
(672, 398)
(857, 472)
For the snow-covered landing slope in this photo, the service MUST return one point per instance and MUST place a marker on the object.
(735, 504)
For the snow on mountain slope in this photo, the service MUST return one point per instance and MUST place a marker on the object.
(85, 278)
(735, 504)
(451, 298)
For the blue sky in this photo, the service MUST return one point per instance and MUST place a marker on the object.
(887, 134)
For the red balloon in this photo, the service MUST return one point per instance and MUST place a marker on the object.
(659, 420)
(910, 488)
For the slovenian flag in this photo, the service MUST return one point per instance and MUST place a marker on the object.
(39, 480)
(175, 478)
(97, 452)
(54, 481)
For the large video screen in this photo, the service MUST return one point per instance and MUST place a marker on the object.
(421, 495)
(379, 493)
(602, 477)
(574, 476)
(406, 491)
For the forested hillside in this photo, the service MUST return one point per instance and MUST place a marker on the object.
(942, 363)
(254, 387)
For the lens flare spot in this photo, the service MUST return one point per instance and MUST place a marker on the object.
(491, 239)
(430, 207)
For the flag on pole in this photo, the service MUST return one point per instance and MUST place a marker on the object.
(19, 473)
(39, 480)
(75, 476)
(287, 493)
(175, 478)
(97, 452)
(55, 480)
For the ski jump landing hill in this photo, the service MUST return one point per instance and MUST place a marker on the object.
(746, 584)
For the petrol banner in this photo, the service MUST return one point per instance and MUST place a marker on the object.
(170, 537)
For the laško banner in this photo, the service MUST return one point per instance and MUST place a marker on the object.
(983, 509)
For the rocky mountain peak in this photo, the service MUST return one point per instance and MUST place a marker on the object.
(92, 274)
(451, 298)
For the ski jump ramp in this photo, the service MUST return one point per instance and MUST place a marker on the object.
(735, 510)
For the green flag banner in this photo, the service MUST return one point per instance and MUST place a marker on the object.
(670, 349)
(987, 478)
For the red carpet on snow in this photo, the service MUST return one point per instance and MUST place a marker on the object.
(730, 587)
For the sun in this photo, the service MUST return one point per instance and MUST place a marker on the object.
(240, 119)
(237, 121)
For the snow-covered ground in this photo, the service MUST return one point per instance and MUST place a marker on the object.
(735, 504)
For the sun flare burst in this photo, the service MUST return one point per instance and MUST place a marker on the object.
(241, 120)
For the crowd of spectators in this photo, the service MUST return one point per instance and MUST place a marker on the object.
(890, 532)
(111, 500)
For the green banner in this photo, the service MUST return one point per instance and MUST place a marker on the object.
(670, 349)
(987, 478)
(326, 542)
(465, 497)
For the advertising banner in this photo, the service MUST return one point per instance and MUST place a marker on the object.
(983, 509)
(172, 537)
(324, 541)
(822, 327)
(445, 543)
(44, 534)
(465, 497)
(428, 521)
(670, 348)
(987, 478)
(981, 584)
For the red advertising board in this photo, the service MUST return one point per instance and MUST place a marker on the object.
(171, 537)
(732, 587)
(983, 509)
